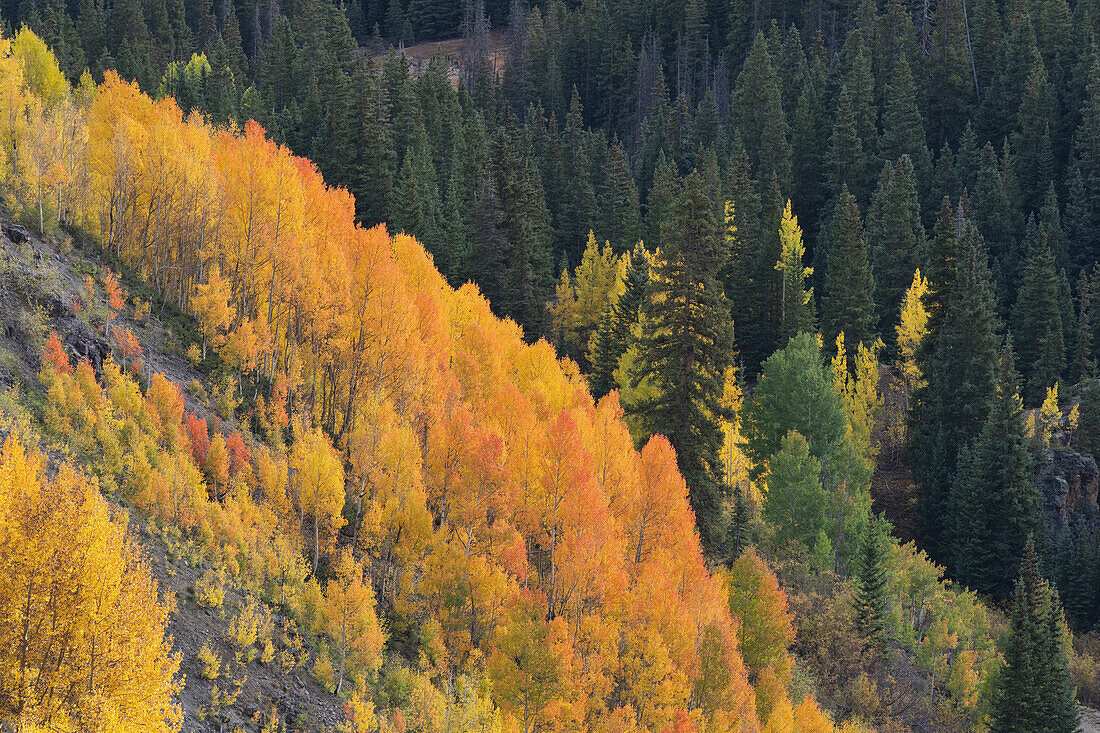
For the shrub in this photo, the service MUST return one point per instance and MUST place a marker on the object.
(209, 592)
(210, 661)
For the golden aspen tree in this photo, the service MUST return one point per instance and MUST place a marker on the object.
(82, 632)
(318, 477)
(348, 618)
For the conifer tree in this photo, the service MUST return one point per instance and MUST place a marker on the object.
(1037, 323)
(758, 106)
(896, 239)
(620, 218)
(1078, 219)
(847, 160)
(688, 348)
(848, 303)
(948, 412)
(902, 126)
(1034, 691)
(1088, 420)
(869, 598)
(994, 503)
(796, 313)
(615, 334)
(1083, 365)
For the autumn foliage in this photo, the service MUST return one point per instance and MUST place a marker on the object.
(492, 499)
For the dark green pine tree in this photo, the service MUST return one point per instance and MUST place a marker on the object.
(902, 126)
(666, 187)
(615, 333)
(996, 218)
(1050, 219)
(1088, 420)
(994, 503)
(377, 163)
(1076, 584)
(847, 162)
(1032, 142)
(688, 348)
(810, 142)
(577, 213)
(848, 303)
(1083, 366)
(620, 217)
(758, 109)
(1037, 323)
(869, 594)
(949, 411)
(1080, 241)
(525, 225)
(414, 204)
(1086, 142)
(740, 518)
(1034, 691)
(896, 238)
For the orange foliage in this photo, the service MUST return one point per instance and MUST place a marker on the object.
(55, 355)
(492, 495)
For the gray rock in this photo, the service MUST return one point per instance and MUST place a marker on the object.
(1068, 483)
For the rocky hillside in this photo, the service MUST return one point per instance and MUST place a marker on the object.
(255, 688)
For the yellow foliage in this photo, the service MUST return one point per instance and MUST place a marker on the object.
(82, 641)
(911, 330)
(1049, 416)
(210, 661)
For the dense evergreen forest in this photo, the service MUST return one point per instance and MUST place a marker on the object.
(844, 258)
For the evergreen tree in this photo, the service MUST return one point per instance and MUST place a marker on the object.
(896, 239)
(1088, 420)
(1034, 691)
(848, 302)
(902, 126)
(869, 597)
(688, 348)
(758, 107)
(796, 313)
(1037, 323)
(1083, 365)
(1080, 242)
(949, 410)
(615, 334)
(620, 218)
(847, 160)
(994, 503)
(666, 187)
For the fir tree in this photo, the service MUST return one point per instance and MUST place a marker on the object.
(948, 412)
(688, 348)
(896, 238)
(620, 218)
(1034, 691)
(1083, 365)
(1037, 323)
(869, 597)
(759, 111)
(615, 334)
(848, 302)
(994, 503)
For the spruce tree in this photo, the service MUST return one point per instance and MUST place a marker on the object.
(1034, 691)
(896, 239)
(848, 302)
(1088, 420)
(869, 596)
(994, 503)
(950, 409)
(688, 348)
(902, 126)
(1083, 365)
(1037, 323)
(620, 217)
(758, 107)
(1080, 240)
(615, 333)
(796, 312)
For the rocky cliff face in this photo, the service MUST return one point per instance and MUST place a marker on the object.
(1068, 484)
